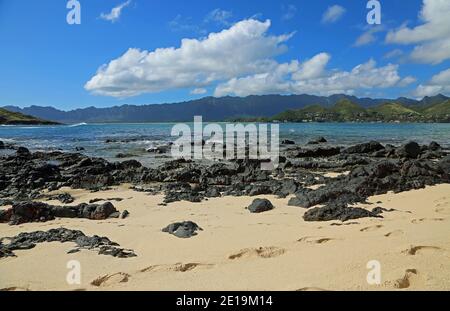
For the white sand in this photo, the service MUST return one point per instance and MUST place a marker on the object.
(237, 250)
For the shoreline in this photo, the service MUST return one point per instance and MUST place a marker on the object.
(313, 223)
(219, 122)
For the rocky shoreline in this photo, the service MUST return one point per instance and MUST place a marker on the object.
(373, 169)
(367, 169)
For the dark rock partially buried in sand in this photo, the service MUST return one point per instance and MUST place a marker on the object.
(260, 206)
(65, 198)
(24, 241)
(338, 212)
(183, 230)
(125, 214)
(25, 212)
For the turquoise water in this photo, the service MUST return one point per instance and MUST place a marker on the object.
(138, 137)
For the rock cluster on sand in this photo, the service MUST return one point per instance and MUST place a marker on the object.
(24, 241)
(403, 169)
(338, 212)
(183, 230)
(24, 212)
(374, 169)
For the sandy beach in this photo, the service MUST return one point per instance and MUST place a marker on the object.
(237, 250)
(177, 148)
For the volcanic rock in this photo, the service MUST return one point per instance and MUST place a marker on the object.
(29, 240)
(409, 150)
(369, 147)
(183, 230)
(317, 141)
(260, 206)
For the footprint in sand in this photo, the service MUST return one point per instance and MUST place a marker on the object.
(422, 220)
(407, 279)
(262, 252)
(344, 224)
(442, 199)
(371, 228)
(393, 233)
(110, 279)
(315, 240)
(179, 267)
(442, 210)
(414, 250)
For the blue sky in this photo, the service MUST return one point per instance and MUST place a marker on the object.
(263, 47)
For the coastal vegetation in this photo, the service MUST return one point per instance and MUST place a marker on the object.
(15, 118)
(348, 111)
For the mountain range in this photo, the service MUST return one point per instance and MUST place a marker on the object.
(213, 109)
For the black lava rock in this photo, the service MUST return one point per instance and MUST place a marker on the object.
(317, 141)
(369, 147)
(288, 142)
(183, 230)
(24, 212)
(410, 150)
(125, 214)
(260, 206)
(318, 152)
(29, 240)
(337, 212)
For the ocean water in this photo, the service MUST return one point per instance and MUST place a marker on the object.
(136, 138)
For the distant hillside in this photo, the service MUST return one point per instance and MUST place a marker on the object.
(437, 109)
(219, 109)
(212, 109)
(393, 112)
(345, 110)
(14, 118)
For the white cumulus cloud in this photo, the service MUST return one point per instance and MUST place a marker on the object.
(439, 83)
(333, 14)
(292, 78)
(239, 61)
(115, 13)
(245, 48)
(432, 37)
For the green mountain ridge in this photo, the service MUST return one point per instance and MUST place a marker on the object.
(15, 118)
(347, 111)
